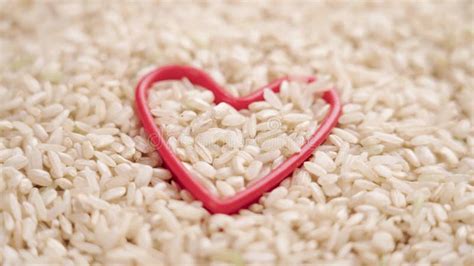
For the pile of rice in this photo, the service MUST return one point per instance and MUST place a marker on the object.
(227, 150)
(394, 183)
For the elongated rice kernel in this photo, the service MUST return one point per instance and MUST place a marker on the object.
(449, 155)
(327, 179)
(377, 199)
(398, 198)
(266, 135)
(252, 125)
(238, 165)
(23, 128)
(127, 140)
(225, 158)
(383, 171)
(56, 164)
(52, 110)
(284, 204)
(389, 138)
(209, 185)
(25, 186)
(17, 161)
(279, 160)
(258, 106)
(205, 169)
(273, 144)
(440, 213)
(39, 177)
(252, 150)
(233, 120)
(197, 104)
(100, 141)
(224, 188)
(317, 193)
(351, 118)
(87, 150)
(237, 182)
(185, 140)
(343, 134)
(268, 156)
(425, 155)
(276, 194)
(411, 157)
(224, 172)
(266, 114)
(87, 247)
(221, 110)
(323, 160)
(191, 155)
(203, 152)
(314, 169)
(291, 145)
(272, 98)
(107, 160)
(245, 155)
(114, 193)
(253, 170)
(144, 175)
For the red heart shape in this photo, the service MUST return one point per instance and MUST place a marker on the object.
(251, 193)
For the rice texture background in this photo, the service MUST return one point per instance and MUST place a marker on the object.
(80, 183)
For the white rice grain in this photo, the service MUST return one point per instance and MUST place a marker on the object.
(253, 170)
(225, 189)
(205, 169)
(39, 177)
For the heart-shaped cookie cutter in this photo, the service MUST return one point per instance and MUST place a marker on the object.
(253, 192)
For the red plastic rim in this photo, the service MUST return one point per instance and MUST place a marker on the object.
(253, 192)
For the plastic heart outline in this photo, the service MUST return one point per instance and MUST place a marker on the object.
(252, 193)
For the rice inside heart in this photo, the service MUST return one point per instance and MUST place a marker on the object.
(227, 149)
